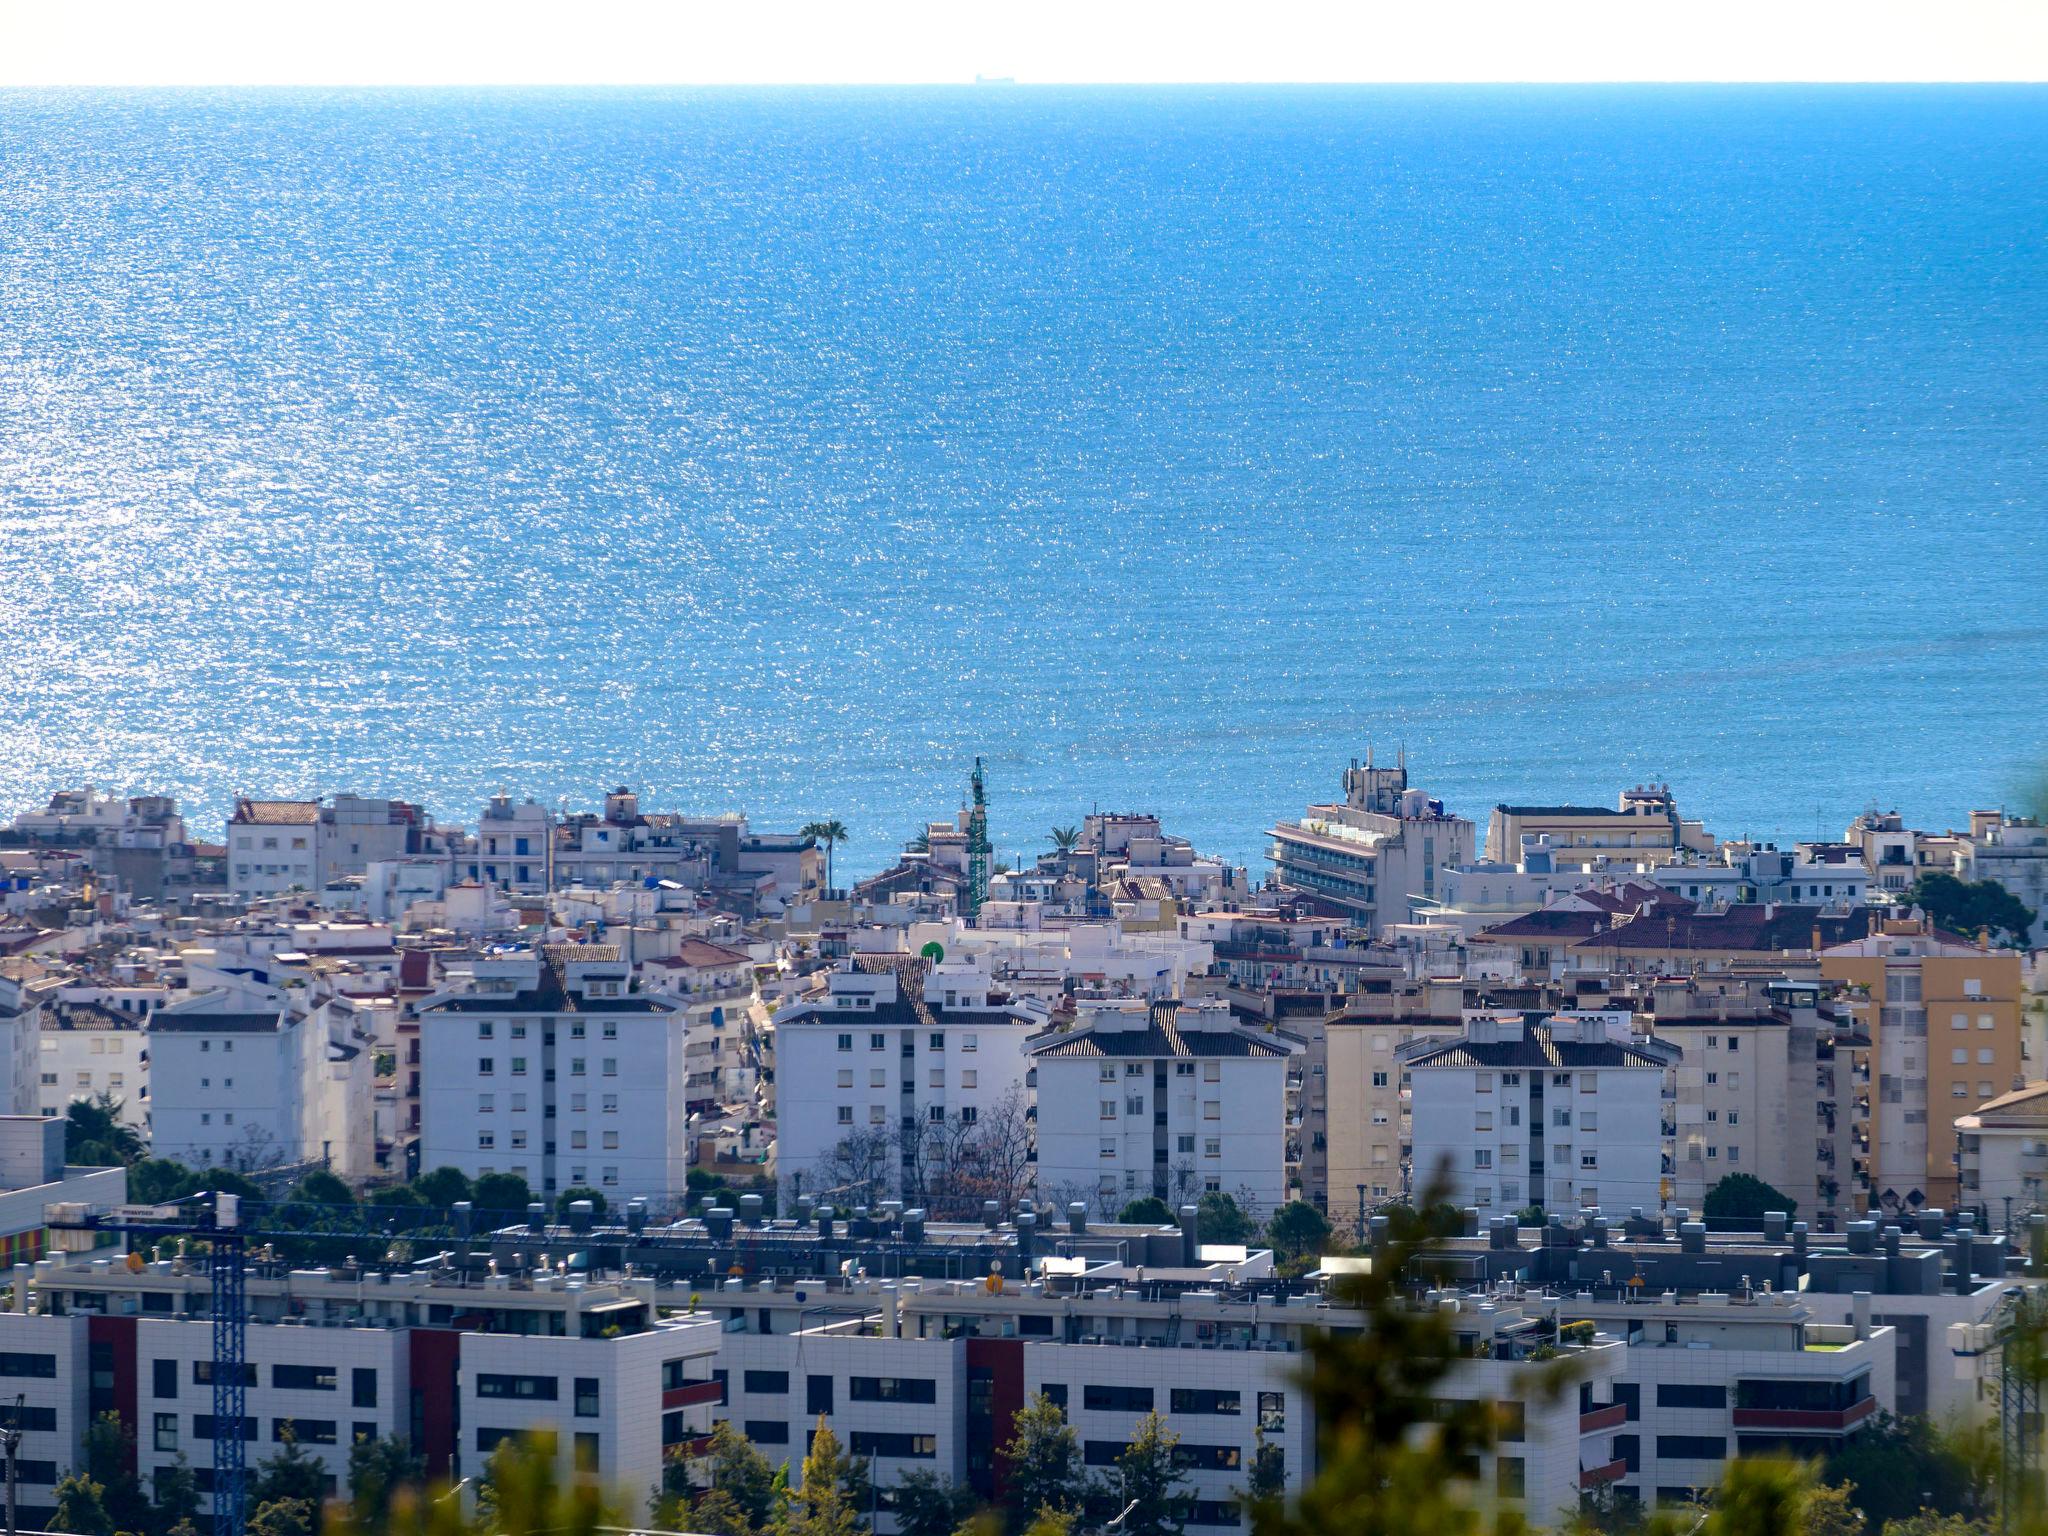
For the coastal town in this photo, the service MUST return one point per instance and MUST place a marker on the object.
(739, 1143)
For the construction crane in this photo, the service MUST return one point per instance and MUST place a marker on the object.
(228, 1225)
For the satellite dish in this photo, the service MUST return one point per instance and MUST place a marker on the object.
(934, 952)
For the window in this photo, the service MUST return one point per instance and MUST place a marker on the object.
(1673, 1394)
(846, 1114)
(846, 1042)
(588, 1451)
(1983, 1058)
(1107, 1075)
(1273, 1412)
(202, 1376)
(166, 1431)
(303, 1378)
(1508, 1476)
(938, 1040)
(1212, 1109)
(876, 1115)
(938, 1077)
(163, 1378)
(875, 1442)
(877, 1041)
(586, 1397)
(1108, 1110)
(364, 1388)
(1184, 1144)
(611, 1066)
(1694, 1447)
(817, 1395)
(846, 1077)
(1589, 1160)
(891, 1389)
(1212, 1071)
(1482, 1082)
(1960, 1056)
(611, 1104)
(485, 1030)
(767, 1431)
(970, 1079)
(486, 1140)
(578, 1066)
(1482, 1157)
(534, 1388)
(970, 1042)
(1115, 1399)
(765, 1381)
(519, 1066)
(1109, 1146)
(1206, 1400)
(1379, 1079)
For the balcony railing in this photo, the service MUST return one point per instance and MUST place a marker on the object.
(1614, 1471)
(1612, 1416)
(1818, 1420)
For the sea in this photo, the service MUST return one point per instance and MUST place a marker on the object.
(787, 450)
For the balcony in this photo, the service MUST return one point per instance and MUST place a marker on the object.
(1594, 1477)
(694, 1394)
(1812, 1420)
(1612, 1416)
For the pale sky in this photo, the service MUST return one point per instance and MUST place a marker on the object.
(624, 42)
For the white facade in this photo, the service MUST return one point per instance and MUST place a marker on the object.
(1565, 1114)
(232, 1074)
(555, 1066)
(88, 1050)
(1171, 1100)
(892, 1046)
(275, 846)
(21, 1035)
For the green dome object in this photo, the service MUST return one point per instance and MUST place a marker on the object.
(934, 952)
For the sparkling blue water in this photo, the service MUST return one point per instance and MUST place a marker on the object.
(782, 451)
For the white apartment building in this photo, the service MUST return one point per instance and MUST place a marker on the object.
(1170, 1099)
(24, 994)
(894, 1045)
(450, 1368)
(241, 1079)
(712, 985)
(1565, 1113)
(275, 846)
(89, 1049)
(2012, 850)
(2002, 1151)
(1375, 854)
(555, 1065)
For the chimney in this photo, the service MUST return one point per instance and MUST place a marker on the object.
(1077, 1218)
(1859, 1303)
(1774, 1226)
(1190, 1236)
(1027, 1239)
(1692, 1237)
(1862, 1236)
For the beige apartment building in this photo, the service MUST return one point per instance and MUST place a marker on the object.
(1643, 828)
(1943, 1017)
(1366, 1121)
(1766, 1085)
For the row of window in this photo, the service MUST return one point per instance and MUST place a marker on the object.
(487, 1066)
(878, 1077)
(1212, 1109)
(290, 1378)
(540, 1389)
(1212, 1071)
(487, 1030)
(878, 1041)
(579, 1141)
(579, 1103)
(878, 1114)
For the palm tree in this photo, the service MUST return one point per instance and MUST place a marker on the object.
(95, 1136)
(1065, 838)
(828, 833)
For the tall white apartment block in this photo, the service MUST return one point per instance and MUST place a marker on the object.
(22, 1000)
(1170, 1099)
(1564, 1113)
(554, 1065)
(894, 1046)
(232, 1074)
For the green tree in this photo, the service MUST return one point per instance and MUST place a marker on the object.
(396, 1197)
(1266, 1479)
(378, 1467)
(1900, 1466)
(290, 1475)
(95, 1137)
(1150, 1211)
(176, 1498)
(1222, 1221)
(1370, 1386)
(1964, 906)
(1066, 839)
(443, 1187)
(226, 1181)
(1148, 1480)
(820, 1507)
(156, 1180)
(322, 1187)
(572, 1194)
(1831, 1511)
(285, 1517)
(501, 1192)
(1745, 1197)
(109, 1454)
(717, 1513)
(930, 1505)
(1042, 1464)
(1297, 1230)
(1928, 1523)
(738, 1471)
(81, 1507)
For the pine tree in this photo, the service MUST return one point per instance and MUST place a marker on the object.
(1148, 1480)
(1042, 1464)
(81, 1507)
(820, 1507)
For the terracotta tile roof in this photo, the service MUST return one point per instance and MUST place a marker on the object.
(1749, 928)
(276, 813)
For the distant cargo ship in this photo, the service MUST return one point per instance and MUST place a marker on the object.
(995, 79)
